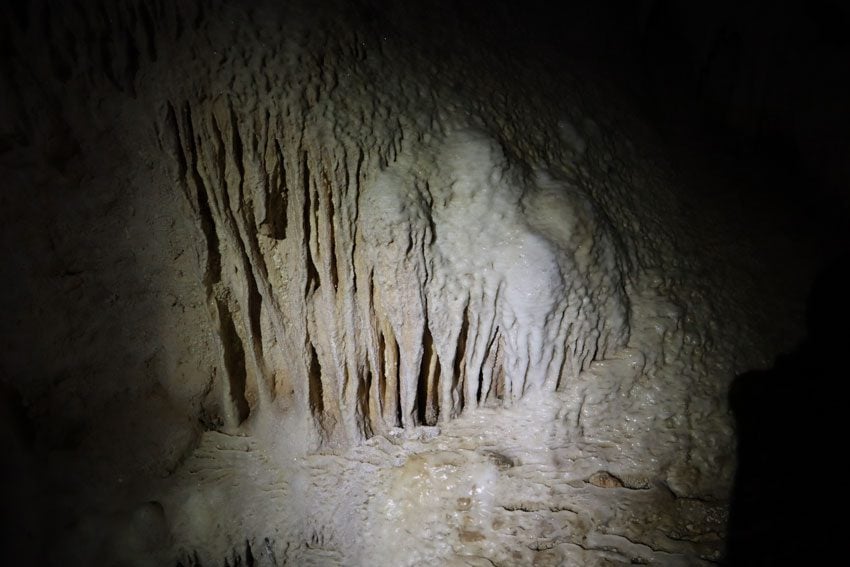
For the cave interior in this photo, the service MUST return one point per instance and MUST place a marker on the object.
(355, 282)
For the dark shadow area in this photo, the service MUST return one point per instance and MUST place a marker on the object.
(788, 420)
(21, 506)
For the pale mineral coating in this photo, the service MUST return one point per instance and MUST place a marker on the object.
(357, 285)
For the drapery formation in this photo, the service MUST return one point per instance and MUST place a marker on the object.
(381, 241)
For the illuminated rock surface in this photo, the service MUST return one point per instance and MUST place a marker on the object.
(357, 287)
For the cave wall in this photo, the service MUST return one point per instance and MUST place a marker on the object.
(322, 225)
(260, 150)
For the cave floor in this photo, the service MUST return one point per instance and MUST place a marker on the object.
(494, 487)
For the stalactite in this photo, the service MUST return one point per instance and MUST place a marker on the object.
(410, 258)
(426, 360)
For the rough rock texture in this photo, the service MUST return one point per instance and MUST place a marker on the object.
(358, 284)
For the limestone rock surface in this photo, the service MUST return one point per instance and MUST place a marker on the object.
(354, 283)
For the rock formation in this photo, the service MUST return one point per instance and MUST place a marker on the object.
(355, 284)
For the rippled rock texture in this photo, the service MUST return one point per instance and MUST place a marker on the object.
(352, 283)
